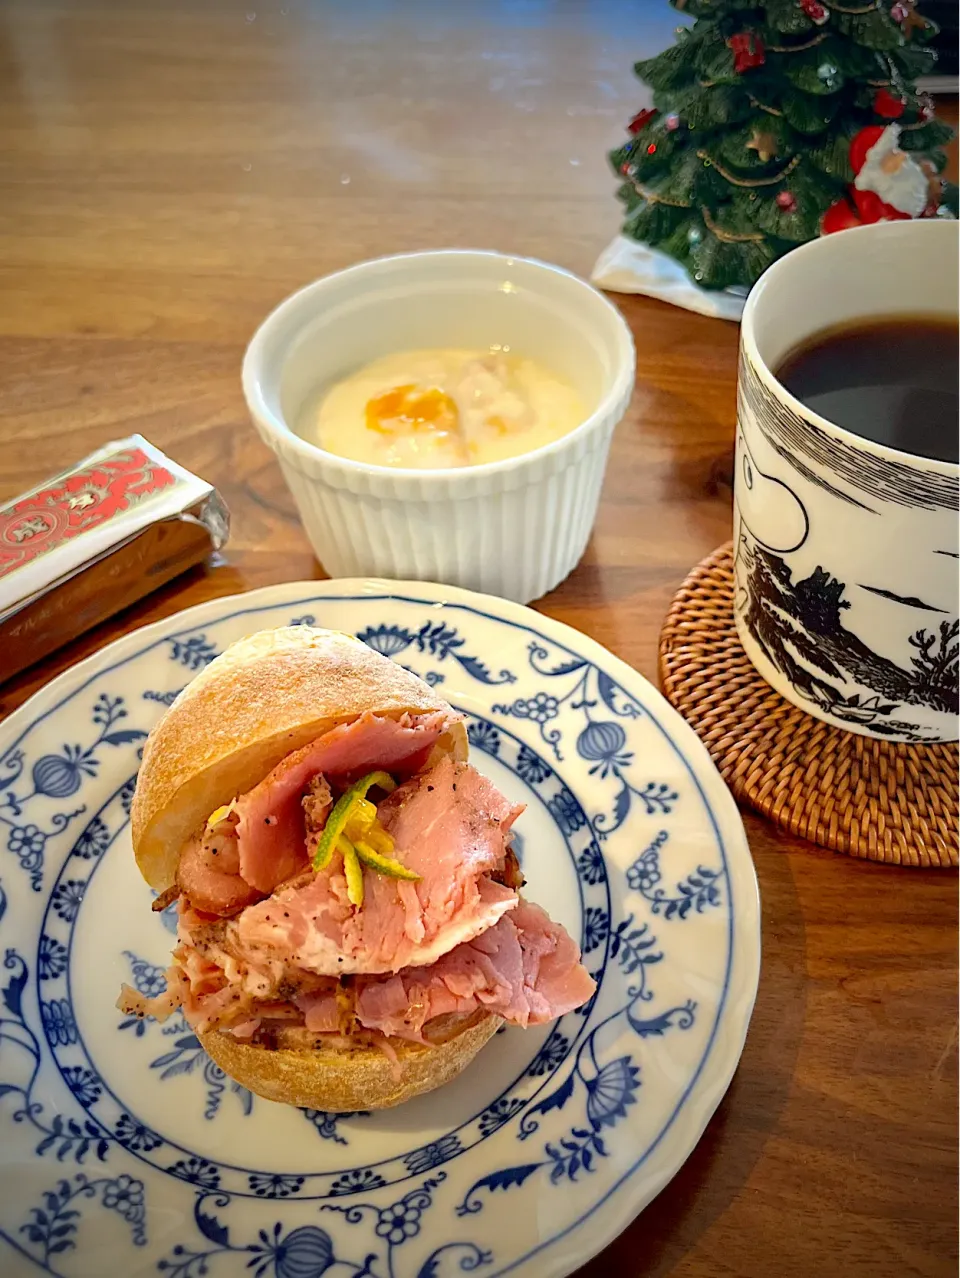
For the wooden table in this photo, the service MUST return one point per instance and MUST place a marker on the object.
(168, 172)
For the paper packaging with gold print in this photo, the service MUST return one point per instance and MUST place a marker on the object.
(95, 539)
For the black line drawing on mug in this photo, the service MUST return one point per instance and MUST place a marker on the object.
(782, 516)
(910, 600)
(799, 627)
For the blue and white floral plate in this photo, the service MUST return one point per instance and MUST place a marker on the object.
(125, 1151)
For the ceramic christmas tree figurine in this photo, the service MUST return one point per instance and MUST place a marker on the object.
(777, 122)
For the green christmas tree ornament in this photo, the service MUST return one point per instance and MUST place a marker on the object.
(774, 123)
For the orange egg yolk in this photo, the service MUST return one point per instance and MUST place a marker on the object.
(409, 408)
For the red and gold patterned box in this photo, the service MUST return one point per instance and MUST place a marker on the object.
(93, 540)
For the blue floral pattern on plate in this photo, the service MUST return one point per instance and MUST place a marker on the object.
(628, 838)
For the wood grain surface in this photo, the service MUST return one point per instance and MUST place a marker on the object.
(168, 172)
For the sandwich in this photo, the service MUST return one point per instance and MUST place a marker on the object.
(351, 928)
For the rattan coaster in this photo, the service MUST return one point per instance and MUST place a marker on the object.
(873, 799)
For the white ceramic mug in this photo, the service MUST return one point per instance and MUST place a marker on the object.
(846, 551)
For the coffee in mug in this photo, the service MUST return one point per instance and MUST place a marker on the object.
(890, 380)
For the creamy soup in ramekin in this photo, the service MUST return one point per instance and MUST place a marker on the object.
(432, 409)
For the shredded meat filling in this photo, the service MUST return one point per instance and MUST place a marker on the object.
(165, 899)
(511, 875)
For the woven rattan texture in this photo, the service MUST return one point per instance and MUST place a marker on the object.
(875, 799)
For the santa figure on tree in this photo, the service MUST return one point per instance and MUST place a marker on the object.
(774, 123)
(889, 183)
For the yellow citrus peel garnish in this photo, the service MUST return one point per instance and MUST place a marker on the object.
(352, 830)
(220, 814)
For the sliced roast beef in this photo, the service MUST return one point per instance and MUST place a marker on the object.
(526, 969)
(455, 943)
(271, 823)
(451, 826)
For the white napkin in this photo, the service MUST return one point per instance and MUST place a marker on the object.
(625, 266)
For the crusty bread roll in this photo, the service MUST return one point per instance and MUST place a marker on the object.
(264, 697)
(344, 1080)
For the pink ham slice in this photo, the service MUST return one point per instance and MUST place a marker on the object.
(526, 969)
(270, 830)
(321, 1015)
(209, 873)
(246, 1029)
(451, 826)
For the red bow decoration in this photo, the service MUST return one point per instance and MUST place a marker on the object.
(887, 106)
(747, 50)
(641, 120)
(815, 11)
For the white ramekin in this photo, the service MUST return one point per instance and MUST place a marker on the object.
(513, 528)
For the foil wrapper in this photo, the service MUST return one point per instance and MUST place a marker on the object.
(93, 540)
